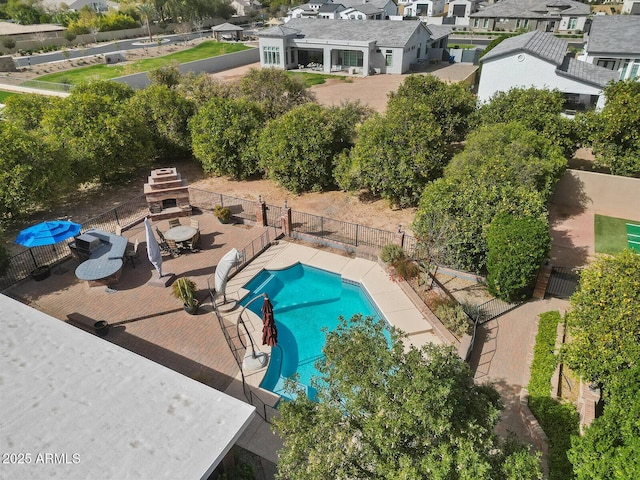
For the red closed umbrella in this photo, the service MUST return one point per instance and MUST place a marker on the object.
(269, 331)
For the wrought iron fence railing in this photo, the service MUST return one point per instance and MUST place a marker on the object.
(207, 200)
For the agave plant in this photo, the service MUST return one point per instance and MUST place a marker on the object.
(185, 290)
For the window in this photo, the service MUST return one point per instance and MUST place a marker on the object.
(350, 58)
(476, 22)
(573, 21)
(634, 71)
(271, 55)
(607, 63)
(388, 58)
(522, 23)
(485, 23)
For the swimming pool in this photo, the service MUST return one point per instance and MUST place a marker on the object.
(305, 300)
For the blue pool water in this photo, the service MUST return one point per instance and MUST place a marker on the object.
(305, 300)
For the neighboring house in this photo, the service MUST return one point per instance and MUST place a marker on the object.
(556, 16)
(614, 43)
(367, 46)
(245, 7)
(631, 7)
(101, 6)
(539, 59)
(345, 10)
(460, 10)
(420, 8)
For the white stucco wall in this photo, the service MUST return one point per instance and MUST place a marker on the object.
(273, 42)
(525, 70)
(564, 24)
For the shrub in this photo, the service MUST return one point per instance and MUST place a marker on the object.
(4, 255)
(391, 253)
(516, 249)
(406, 269)
(558, 420)
(453, 316)
(8, 43)
(222, 213)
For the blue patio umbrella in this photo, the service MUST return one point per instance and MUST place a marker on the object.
(48, 233)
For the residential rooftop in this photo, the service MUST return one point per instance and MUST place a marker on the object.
(619, 34)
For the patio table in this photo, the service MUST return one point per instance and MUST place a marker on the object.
(105, 263)
(181, 233)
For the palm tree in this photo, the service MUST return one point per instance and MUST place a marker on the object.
(146, 11)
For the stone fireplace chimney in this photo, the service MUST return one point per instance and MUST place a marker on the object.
(167, 194)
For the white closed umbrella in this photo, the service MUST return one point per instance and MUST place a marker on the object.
(222, 270)
(153, 249)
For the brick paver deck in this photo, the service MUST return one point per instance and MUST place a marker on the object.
(146, 319)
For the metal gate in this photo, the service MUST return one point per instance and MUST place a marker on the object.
(562, 282)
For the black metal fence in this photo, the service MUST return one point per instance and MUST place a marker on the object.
(206, 200)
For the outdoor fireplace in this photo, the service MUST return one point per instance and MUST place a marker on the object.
(167, 194)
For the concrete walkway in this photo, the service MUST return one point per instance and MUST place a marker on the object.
(502, 356)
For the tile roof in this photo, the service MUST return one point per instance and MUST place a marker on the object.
(618, 34)
(439, 31)
(541, 44)
(531, 9)
(391, 33)
(587, 72)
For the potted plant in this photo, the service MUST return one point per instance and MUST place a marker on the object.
(222, 213)
(185, 290)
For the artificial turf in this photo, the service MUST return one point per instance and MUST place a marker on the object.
(611, 234)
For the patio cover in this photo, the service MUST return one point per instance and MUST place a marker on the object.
(104, 411)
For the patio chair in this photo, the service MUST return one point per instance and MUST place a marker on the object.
(131, 254)
(173, 247)
(193, 243)
(160, 235)
(174, 222)
(195, 224)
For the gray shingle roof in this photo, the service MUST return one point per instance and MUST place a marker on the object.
(540, 44)
(330, 7)
(359, 3)
(587, 72)
(618, 34)
(391, 33)
(439, 31)
(227, 27)
(277, 31)
(531, 9)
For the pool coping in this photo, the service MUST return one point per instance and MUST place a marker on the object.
(388, 296)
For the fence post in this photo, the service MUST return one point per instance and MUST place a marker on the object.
(261, 212)
(398, 238)
(287, 224)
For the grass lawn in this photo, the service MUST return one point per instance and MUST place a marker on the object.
(106, 72)
(311, 79)
(4, 95)
(464, 46)
(611, 234)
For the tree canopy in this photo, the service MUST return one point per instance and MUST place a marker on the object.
(604, 322)
(387, 411)
(225, 133)
(615, 131)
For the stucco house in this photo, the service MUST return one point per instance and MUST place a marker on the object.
(539, 59)
(420, 8)
(459, 11)
(614, 43)
(365, 47)
(345, 10)
(631, 7)
(557, 16)
(245, 7)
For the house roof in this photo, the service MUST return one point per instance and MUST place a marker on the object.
(552, 49)
(541, 44)
(227, 27)
(9, 28)
(439, 31)
(69, 392)
(587, 72)
(618, 34)
(330, 7)
(361, 3)
(532, 9)
(365, 8)
(390, 33)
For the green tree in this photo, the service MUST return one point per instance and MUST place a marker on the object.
(166, 114)
(388, 411)
(275, 90)
(451, 104)
(396, 154)
(32, 172)
(202, 87)
(509, 152)
(225, 134)
(299, 148)
(103, 139)
(604, 322)
(538, 110)
(516, 249)
(610, 446)
(615, 131)
(168, 75)
(26, 111)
